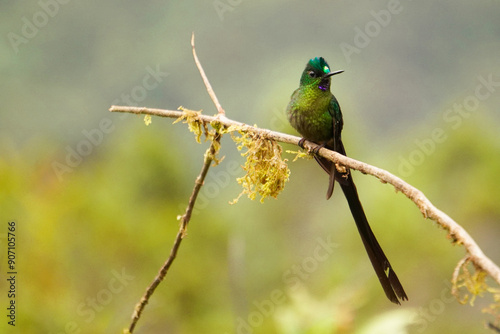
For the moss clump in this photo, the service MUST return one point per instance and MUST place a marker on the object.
(191, 117)
(266, 171)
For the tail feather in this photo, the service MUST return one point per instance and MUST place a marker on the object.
(386, 275)
(331, 169)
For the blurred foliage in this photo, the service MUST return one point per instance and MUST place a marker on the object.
(96, 195)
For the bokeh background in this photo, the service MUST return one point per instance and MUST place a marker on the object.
(95, 195)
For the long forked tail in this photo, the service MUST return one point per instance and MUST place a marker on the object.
(386, 275)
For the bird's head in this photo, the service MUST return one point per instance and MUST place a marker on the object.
(317, 72)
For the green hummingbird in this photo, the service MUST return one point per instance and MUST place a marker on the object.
(315, 113)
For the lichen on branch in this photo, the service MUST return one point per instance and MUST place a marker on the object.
(469, 283)
(266, 170)
(195, 125)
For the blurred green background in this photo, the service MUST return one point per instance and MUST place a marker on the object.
(95, 195)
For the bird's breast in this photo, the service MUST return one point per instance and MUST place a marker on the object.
(311, 118)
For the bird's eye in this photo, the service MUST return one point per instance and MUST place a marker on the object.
(312, 74)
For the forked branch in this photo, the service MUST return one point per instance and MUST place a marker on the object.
(210, 156)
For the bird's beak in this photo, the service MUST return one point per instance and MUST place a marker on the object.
(332, 73)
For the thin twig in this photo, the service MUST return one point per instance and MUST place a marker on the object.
(428, 210)
(186, 217)
(205, 80)
(493, 327)
(461, 265)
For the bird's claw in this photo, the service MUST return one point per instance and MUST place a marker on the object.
(301, 143)
(314, 150)
(317, 148)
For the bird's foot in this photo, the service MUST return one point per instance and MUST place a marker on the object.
(317, 148)
(301, 143)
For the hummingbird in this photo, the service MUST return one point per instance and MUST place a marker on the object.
(315, 113)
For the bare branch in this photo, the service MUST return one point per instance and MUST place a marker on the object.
(493, 327)
(184, 219)
(210, 156)
(427, 209)
(205, 80)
